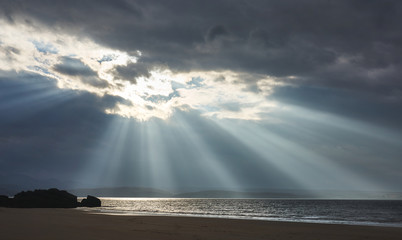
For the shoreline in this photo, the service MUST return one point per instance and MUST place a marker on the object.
(246, 218)
(72, 223)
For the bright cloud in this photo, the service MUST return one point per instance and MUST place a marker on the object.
(78, 63)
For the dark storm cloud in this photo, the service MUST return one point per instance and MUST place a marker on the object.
(307, 38)
(74, 67)
(94, 81)
(347, 45)
(324, 44)
(132, 71)
(9, 52)
(216, 32)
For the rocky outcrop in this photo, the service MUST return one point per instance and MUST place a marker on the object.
(51, 198)
(90, 201)
(5, 201)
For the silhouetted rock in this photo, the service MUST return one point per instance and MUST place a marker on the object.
(5, 201)
(91, 201)
(51, 198)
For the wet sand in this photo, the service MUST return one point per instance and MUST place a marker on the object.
(76, 224)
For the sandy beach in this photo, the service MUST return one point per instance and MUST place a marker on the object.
(77, 224)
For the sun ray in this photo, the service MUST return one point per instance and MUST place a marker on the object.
(307, 167)
(206, 155)
(104, 161)
(350, 125)
(159, 168)
(28, 101)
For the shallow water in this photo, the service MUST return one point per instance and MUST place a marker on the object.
(353, 212)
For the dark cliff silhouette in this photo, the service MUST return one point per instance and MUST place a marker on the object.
(51, 198)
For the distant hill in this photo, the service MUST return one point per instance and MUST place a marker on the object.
(292, 194)
(22, 182)
(233, 194)
(121, 192)
(152, 192)
(357, 195)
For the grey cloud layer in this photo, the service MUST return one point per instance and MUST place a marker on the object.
(308, 39)
(132, 71)
(74, 67)
(336, 44)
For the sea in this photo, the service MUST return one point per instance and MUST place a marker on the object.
(352, 212)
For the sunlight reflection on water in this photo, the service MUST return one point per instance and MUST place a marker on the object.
(354, 212)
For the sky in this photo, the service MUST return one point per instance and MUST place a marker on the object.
(195, 95)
